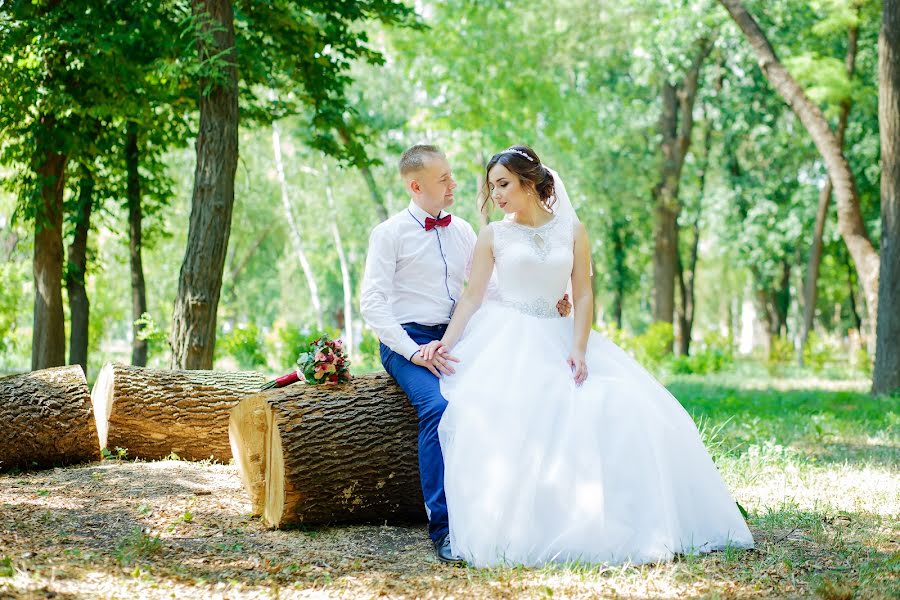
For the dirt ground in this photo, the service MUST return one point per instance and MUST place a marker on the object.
(174, 529)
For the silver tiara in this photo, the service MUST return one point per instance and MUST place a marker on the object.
(519, 152)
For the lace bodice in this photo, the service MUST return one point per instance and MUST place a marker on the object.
(534, 264)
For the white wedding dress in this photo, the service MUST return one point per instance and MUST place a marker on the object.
(538, 470)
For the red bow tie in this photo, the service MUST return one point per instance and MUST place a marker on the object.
(432, 223)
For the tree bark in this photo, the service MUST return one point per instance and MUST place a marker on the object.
(329, 454)
(294, 230)
(154, 412)
(200, 280)
(810, 288)
(79, 304)
(46, 418)
(675, 143)
(618, 269)
(139, 347)
(48, 345)
(850, 222)
(687, 277)
(886, 376)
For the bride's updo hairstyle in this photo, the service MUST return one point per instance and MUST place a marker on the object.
(524, 162)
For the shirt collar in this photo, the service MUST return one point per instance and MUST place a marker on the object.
(420, 214)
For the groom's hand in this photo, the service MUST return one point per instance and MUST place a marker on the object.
(439, 364)
(564, 306)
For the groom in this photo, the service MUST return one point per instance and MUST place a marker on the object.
(416, 267)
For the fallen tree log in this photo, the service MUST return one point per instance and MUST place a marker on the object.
(156, 412)
(45, 419)
(329, 454)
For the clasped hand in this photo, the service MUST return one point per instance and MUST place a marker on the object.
(435, 357)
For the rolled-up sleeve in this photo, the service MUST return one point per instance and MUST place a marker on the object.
(375, 301)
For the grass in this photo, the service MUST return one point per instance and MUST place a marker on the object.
(816, 463)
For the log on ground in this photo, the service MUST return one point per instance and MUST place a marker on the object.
(46, 419)
(153, 413)
(330, 453)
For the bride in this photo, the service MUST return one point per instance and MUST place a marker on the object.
(557, 445)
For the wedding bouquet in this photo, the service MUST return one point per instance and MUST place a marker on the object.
(324, 362)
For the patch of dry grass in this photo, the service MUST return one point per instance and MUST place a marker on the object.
(823, 495)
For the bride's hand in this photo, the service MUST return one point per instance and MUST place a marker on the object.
(578, 365)
(430, 349)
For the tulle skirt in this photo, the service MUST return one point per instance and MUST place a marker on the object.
(540, 470)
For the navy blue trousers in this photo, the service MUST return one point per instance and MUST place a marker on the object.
(424, 392)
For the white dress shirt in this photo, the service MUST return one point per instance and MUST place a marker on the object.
(413, 275)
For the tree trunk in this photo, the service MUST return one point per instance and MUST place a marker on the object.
(46, 418)
(200, 281)
(810, 288)
(48, 345)
(138, 287)
(154, 412)
(675, 143)
(781, 300)
(851, 294)
(850, 222)
(345, 267)
(886, 376)
(79, 305)
(619, 268)
(687, 277)
(294, 230)
(329, 454)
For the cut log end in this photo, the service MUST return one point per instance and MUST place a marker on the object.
(46, 418)
(329, 454)
(102, 401)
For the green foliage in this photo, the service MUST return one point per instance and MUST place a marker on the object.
(714, 354)
(149, 331)
(781, 355)
(294, 341)
(653, 346)
(244, 345)
(119, 454)
(368, 351)
(13, 283)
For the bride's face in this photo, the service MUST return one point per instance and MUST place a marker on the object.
(507, 190)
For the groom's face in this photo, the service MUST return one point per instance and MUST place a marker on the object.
(433, 185)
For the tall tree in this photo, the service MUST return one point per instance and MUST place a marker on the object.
(200, 279)
(810, 287)
(676, 124)
(303, 51)
(850, 222)
(139, 346)
(76, 268)
(48, 346)
(886, 377)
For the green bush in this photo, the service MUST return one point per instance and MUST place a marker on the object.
(652, 347)
(714, 354)
(368, 353)
(818, 353)
(294, 339)
(781, 354)
(244, 345)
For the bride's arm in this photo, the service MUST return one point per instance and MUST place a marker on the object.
(482, 267)
(583, 300)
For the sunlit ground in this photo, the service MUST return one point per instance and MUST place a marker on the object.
(815, 463)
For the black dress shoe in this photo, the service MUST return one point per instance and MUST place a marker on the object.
(444, 553)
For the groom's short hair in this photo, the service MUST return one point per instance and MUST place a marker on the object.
(414, 158)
